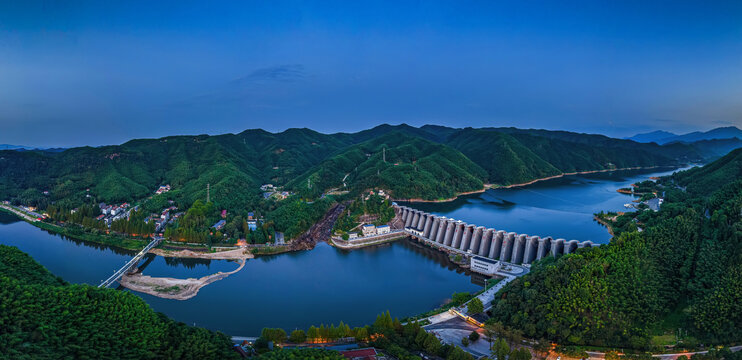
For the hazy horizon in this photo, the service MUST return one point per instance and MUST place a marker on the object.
(90, 73)
(323, 132)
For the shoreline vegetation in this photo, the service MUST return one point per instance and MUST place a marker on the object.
(605, 223)
(133, 244)
(495, 186)
(124, 243)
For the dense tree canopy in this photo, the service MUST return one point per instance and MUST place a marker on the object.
(42, 317)
(685, 264)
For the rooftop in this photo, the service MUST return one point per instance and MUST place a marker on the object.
(359, 353)
(484, 259)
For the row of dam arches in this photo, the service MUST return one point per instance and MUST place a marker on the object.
(478, 240)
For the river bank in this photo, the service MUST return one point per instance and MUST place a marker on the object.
(496, 186)
(605, 223)
(364, 242)
(172, 288)
(279, 278)
(127, 243)
(235, 254)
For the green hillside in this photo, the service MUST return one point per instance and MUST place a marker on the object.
(414, 168)
(42, 317)
(682, 271)
(433, 162)
(512, 157)
(707, 179)
(506, 160)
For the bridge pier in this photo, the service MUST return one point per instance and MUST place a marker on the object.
(450, 229)
(408, 220)
(571, 246)
(458, 235)
(507, 247)
(441, 231)
(557, 247)
(415, 220)
(519, 248)
(476, 238)
(421, 222)
(586, 244)
(434, 228)
(544, 246)
(428, 225)
(486, 243)
(497, 237)
(468, 233)
(531, 249)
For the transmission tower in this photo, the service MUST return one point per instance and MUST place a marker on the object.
(208, 194)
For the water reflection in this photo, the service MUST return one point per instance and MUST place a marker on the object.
(327, 285)
(560, 207)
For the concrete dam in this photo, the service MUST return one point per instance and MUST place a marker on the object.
(499, 245)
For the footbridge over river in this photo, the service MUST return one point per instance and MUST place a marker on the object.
(130, 264)
(458, 236)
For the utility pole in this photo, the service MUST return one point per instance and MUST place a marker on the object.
(208, 194)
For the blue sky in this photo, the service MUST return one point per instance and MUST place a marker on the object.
(102, 72)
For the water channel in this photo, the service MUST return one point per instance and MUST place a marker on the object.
(327, 285)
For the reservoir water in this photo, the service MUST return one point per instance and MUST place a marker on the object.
(327, 285)
(561, 207)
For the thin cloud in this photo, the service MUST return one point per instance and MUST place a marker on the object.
(280, 73)
(243, 88)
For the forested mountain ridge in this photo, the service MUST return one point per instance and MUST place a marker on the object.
(234, 165)
(42, 317)
(505, 159)
(676, 268)
(712, 177)
(409, 167)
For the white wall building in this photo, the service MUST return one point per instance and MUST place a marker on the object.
(383, 229)
(484, 265)
(368, 230)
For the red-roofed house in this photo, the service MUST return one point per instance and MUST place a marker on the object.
(360, 354)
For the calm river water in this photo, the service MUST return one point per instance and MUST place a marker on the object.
(560, 208)
(326, 285)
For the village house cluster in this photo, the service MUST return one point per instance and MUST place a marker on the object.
(162, 189)
(111, 213)
(252, 221)
(167, 216)
(270, 191)
(379, 192)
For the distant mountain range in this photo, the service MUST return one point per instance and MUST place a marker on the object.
(664, 137)
(24, 148)
(429, 162)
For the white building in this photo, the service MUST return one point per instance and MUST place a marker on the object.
(352, 236)
(368, 230)
(383, 229)
(484, 265)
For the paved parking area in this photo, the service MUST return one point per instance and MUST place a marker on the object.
(478, 348)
